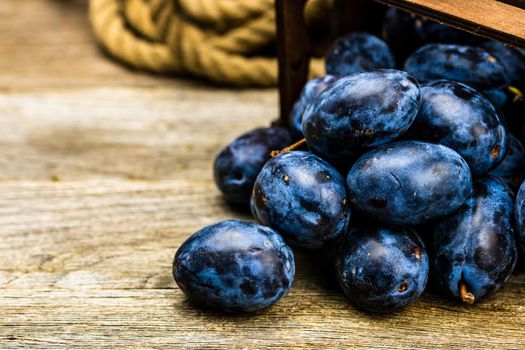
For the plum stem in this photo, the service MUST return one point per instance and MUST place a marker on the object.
(289, 148)
(518, 95)
(466, 296)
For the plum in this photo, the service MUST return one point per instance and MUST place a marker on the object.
(474, 249)
(409, 183)
(234, 266)
(360, 111)
(237, 165)
(457, 116)
(382, 269)
(304, 198)
(358, 52)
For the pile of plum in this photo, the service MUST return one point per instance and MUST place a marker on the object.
(406, 173)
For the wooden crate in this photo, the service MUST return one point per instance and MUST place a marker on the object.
(499, 20)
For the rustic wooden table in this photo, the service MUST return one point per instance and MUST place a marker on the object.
(105, 171)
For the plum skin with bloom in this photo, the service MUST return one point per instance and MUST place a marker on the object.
(234, 266)
(304, 198)
(457, 116)
(409, 183)
(381, 269)
(359, 112)
(358, 52)
(474, 248)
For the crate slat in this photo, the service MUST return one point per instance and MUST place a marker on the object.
(492, 19)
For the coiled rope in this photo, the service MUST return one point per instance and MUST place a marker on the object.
(217, 40)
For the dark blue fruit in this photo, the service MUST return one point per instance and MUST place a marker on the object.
(234, 266)
(511, 169)
(470, 65)
(409, 182)
(358, 52)
(474, 249)
(311, 90)
(382, 269)
(520, 217)
(238, 164)
(361, 111)
(511, 58)
(463, 119)
(302, 197)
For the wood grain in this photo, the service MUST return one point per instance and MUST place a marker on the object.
(489, 18)
(103, 176)
(293, 49)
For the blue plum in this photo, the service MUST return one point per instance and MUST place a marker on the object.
(511, 58)
(304, 198)
(470, 65)
(474, 249)
(311, 90)
(520, 217)
(237, 165)
(360, 111)
(234, 266)
(358, 52)
(409, 183)
(457, 116)
(511, 169)
(382, 269)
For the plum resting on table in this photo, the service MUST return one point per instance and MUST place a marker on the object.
(381, 269)
(360, 111)
(237, 165)
(474, 249)
(234, 266)
(358, 52)
(457, 116)
(409, 183)
(304, 198)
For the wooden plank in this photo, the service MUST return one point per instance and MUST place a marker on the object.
(48, 44)
(347, 16)
(488, 18)
(87, 264)
(293, 51)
